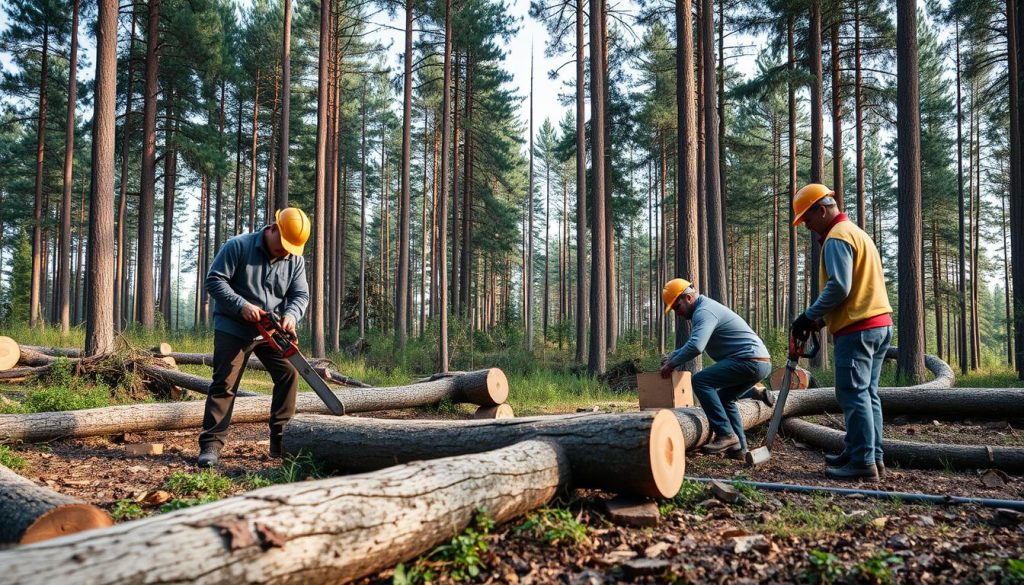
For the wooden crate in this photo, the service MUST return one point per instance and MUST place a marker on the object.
(658, 392)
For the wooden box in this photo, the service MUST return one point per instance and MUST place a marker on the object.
(657, 392)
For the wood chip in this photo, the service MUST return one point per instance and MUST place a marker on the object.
(145, 449)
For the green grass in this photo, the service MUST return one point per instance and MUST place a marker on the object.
(127, 510)
(554, 526)
(293, 469)
(11, 460)
(460, 559)
(812, 520)
(204, 483)
(690, 495)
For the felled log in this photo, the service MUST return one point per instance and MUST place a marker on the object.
(483, 386)
(9, 353)
(30, 357)
(55, 351)
(913, 454)
(184, 380)
(19, 374)
(326, 531)
(32, 513)
(638, 453)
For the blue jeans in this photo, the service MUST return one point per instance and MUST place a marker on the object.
(718, 386)
(859, 358)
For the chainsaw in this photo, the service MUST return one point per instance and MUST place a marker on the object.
(798, 348)
(285, 343)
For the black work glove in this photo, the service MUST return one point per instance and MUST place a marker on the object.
(802, 326)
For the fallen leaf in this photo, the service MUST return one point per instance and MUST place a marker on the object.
(155, 498)
(656, 550)
(237, 533)
(734, 532)
(269, 537)
(880, 522)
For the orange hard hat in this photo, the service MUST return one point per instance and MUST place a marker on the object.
(806, 197)
(294, 227)
(672, 290)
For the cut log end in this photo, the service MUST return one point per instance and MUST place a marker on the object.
(64, 520)
(9, 353)
(801, 379)
(162, 349)
(499, 411)
(497, 386)
(668, 455)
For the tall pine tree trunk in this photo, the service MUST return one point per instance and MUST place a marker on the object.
(120, 282)
(1015, 31)
(320, 184)
(858, 98)
(817, 149)
(837, 113)
(402, 278)
(791, 137)
(281, 192)
(64, 256)
(687, 261)
(252, 160)
(910, 361)
(597, 361)
(716, 277)
(170, 162)
(581, 193)
(99, 329)
(528, 264)
(38, 256)
(362, 218)
(144, 297)
(961, 218)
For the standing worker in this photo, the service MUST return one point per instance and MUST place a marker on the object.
(853, 303)
(251, 274)
(741, 360)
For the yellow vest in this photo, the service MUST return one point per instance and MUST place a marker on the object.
(867, 297)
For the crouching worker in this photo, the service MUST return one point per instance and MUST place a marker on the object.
(252, 273)
(853, 303)
(741, 360)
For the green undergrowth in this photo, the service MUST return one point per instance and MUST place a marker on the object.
(813, 519)
(555, 526)
(11, 460)
(460, 559)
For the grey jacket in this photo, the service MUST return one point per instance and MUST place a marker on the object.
(721, 333)
(244, 272)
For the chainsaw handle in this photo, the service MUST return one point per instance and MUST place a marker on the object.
(275, 322)
(804, 348)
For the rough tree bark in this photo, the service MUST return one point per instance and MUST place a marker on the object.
(598, 359)
(687, 261)
(581, 193)
(64, 278)
(144, 294)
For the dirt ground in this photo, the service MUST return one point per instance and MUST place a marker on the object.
(766, 537)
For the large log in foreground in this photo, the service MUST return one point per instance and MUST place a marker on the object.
(916, 455)
(326, 531)
(639, 453)
(33, 514)
(482, 387)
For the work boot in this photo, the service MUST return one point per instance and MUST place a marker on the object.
(852, 471)
(738, 453)
(880, 466)
(721, 445)
(837, 460)
(209, 455)
(275, 447)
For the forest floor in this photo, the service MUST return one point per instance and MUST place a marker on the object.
(767, 536)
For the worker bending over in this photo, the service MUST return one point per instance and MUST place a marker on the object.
(853, 303)
(253, 273)
(741, 360)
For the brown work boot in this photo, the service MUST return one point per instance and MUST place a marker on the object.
(275, 446)
(209, 456)
(721, 445)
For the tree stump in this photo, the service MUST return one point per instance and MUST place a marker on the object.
(32, 513)
(499, 411)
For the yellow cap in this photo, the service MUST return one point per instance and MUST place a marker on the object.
(294, 227)
(806, 197)
(672, 290)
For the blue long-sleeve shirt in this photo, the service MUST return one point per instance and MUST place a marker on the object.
(838, 256)
(719, 332)
(244, 272)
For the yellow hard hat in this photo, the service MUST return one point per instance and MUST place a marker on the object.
(672, 290)
(294, 227)
(806, 197)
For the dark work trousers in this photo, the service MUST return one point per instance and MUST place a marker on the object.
(230, 355)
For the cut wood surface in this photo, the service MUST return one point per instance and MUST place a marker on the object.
(914, 454)
(326, 531)
(32, 513)
(484, 385)
(800, 380)
(9, 353)
(637, 453)
(499, 411)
